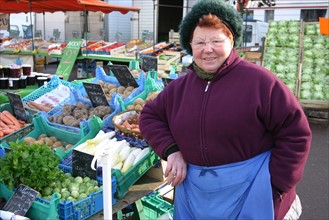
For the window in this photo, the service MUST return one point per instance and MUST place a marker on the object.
(248, 34)
(312, 15)
(269, 15)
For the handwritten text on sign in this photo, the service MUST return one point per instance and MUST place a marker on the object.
(68, 59)
(20, 202)
(123, 75)
(95, 94)
(16, 103)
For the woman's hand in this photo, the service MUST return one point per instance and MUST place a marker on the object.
(176, 169)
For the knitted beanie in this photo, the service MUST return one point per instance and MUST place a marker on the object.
(223, 10)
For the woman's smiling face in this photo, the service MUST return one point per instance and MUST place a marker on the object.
(210, 48)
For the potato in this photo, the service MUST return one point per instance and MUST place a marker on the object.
(29, 140)
(57, 144)
(121, 89)
(139, 101)
(138, 107)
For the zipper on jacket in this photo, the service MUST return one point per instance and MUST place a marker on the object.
(207, 86)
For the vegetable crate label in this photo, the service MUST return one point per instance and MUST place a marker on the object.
(68, 59)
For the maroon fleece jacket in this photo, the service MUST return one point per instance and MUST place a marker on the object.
(243, 111)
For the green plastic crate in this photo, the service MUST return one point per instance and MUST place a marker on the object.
(42, 127)
(154, 206)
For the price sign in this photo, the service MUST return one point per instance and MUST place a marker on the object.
(68, 59)
(124, 76)
(95, 94)
(166, 81)
(20, 202)
(16, 103)
(149, 63)
(4, 21)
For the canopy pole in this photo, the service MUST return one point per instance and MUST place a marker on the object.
(44, 25)
(30, 6)
(86, 22)
(138, 37)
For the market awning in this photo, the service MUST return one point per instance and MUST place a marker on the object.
(39, 6)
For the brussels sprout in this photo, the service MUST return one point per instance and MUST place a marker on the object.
(47, 191)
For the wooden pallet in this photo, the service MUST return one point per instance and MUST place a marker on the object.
(317, 116)
(314, 104)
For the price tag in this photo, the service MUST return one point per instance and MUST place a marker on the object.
(124, 76)
(149, 63)
(68, 58)
(166, 81)
(96, 94)
(16, 103)
(22, 199)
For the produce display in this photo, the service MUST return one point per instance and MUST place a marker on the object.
(51, 141)
(281, 55)
(47, 101)
(9, 124)
(315, 66)
(123, 155)
(139, 103)
(72, 115)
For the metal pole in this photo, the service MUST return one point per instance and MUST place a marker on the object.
(30, 6)
(44, 25)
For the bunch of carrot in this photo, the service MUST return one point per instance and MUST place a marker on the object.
(9, 124)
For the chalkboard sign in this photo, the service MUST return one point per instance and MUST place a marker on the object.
(166, 81)
(16, 103)
(22, 199)
(124, 76)
(96, 94)
(149, 63)
(81, 164)
(68, 58)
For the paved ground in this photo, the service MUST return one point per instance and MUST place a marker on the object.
(313, 189)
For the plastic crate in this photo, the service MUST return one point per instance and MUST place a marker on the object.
(41, 127)
(154, 206)
(19, 133)
(54, 82)
(125, 181)
(84, 208)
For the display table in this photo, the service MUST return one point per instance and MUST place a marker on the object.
(141, 188)
(21, 92)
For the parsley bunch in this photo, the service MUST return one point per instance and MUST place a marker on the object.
(33, 165)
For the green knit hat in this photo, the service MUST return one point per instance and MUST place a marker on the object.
(223, 10)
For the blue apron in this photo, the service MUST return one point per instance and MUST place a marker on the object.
(240, 190)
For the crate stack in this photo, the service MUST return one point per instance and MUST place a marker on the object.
(314, 75)
(303, 59)
(282, 51)
(174, 37)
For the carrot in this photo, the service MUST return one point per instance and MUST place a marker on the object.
(21, 123)
(8, 131)
(5, 119)
(11, 117)
(15, 127)
(2, 124)
(40, 107)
